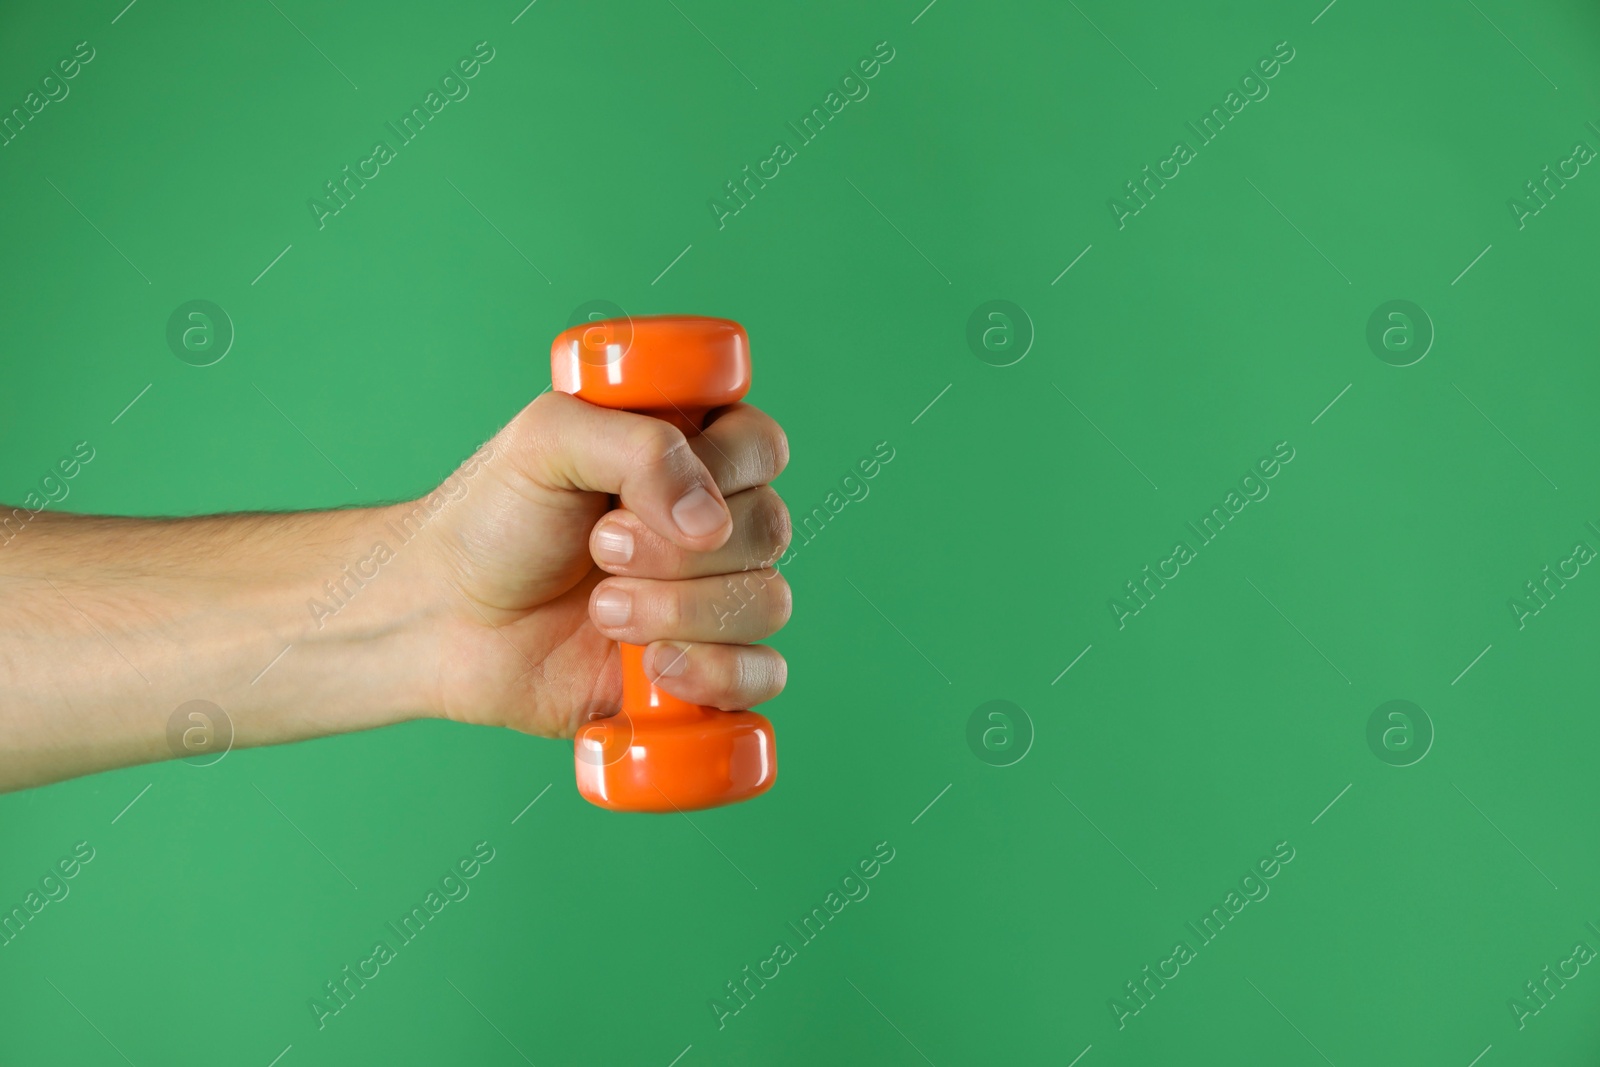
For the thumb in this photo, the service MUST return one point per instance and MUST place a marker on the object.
(559, 443)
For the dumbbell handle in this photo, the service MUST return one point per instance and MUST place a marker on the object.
(641, 699)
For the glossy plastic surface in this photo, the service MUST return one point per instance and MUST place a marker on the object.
(675, 367)
(660, 753)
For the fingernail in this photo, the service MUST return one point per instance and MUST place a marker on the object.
(613, 607)
(698, 513)
(669, 661)
(613, 544)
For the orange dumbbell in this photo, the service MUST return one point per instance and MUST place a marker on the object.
(661, 753)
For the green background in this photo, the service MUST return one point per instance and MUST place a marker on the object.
(1172, 756)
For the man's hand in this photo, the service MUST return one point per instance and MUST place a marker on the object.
(497, 599)
(529, 640)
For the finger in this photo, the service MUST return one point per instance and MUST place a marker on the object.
(730, 677)
(743, 447)
(732, 609)
(563, 443)
(622, 544)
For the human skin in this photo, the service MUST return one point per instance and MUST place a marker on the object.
(574, 528)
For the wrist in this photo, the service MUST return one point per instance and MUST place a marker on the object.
(373, 615)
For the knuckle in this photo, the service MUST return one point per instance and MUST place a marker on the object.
(654, 444)
(742, 674)
(778, 444)
(541, 417)
(555, 399)
(768, 527)
(752, 589)
(769, 448)
(536, 412)
(536, 440)
(777, 673)
(527, 433)
(729, 600)
(782, 602)
(766, 594)
(777, 529)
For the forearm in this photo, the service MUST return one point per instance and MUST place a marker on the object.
(107, 626)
